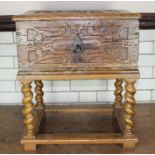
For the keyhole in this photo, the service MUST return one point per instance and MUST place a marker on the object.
(77, 49)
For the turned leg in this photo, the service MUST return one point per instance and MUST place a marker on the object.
(28, 115)
(39, 94)
(39, 98)
(28, 109)
(129, 114)
(118, 93)
(129, 108)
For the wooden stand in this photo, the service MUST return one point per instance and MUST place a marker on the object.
(34, 115)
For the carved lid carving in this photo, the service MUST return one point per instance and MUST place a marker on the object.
(49, 15)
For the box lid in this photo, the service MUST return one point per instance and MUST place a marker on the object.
(51, 15)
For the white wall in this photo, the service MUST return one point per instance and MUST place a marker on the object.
(17, 7)
(75, 91)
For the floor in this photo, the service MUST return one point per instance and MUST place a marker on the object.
(11, 131)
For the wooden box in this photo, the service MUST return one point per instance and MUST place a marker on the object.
(77, 41)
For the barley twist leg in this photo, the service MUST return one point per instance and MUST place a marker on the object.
(28, 109)
(39, 94)
(118, 93)
(129, 107)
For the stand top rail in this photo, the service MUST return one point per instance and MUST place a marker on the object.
(104, 75)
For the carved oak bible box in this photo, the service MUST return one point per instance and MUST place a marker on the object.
(66, 45)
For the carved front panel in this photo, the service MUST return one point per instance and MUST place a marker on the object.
(77, 44)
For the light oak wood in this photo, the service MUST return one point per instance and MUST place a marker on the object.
(23, 76)
(81, 138)
(129, 145)
(129, 107)
(118, 93)
(73, 45)
(49, 15)
(104, 71)
(80, 109)
(28, 109)
(30, 147)
(77, 45)
(39, 94)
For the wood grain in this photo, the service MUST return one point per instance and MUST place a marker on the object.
(146, 22)
(28, 109)
(12, 124)
(80, 109)
(39, 94)
(50, 15)
(129, 107)
(75, 46)
(118, 93)
(80, 138)
(47, 45)
(76, 76)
